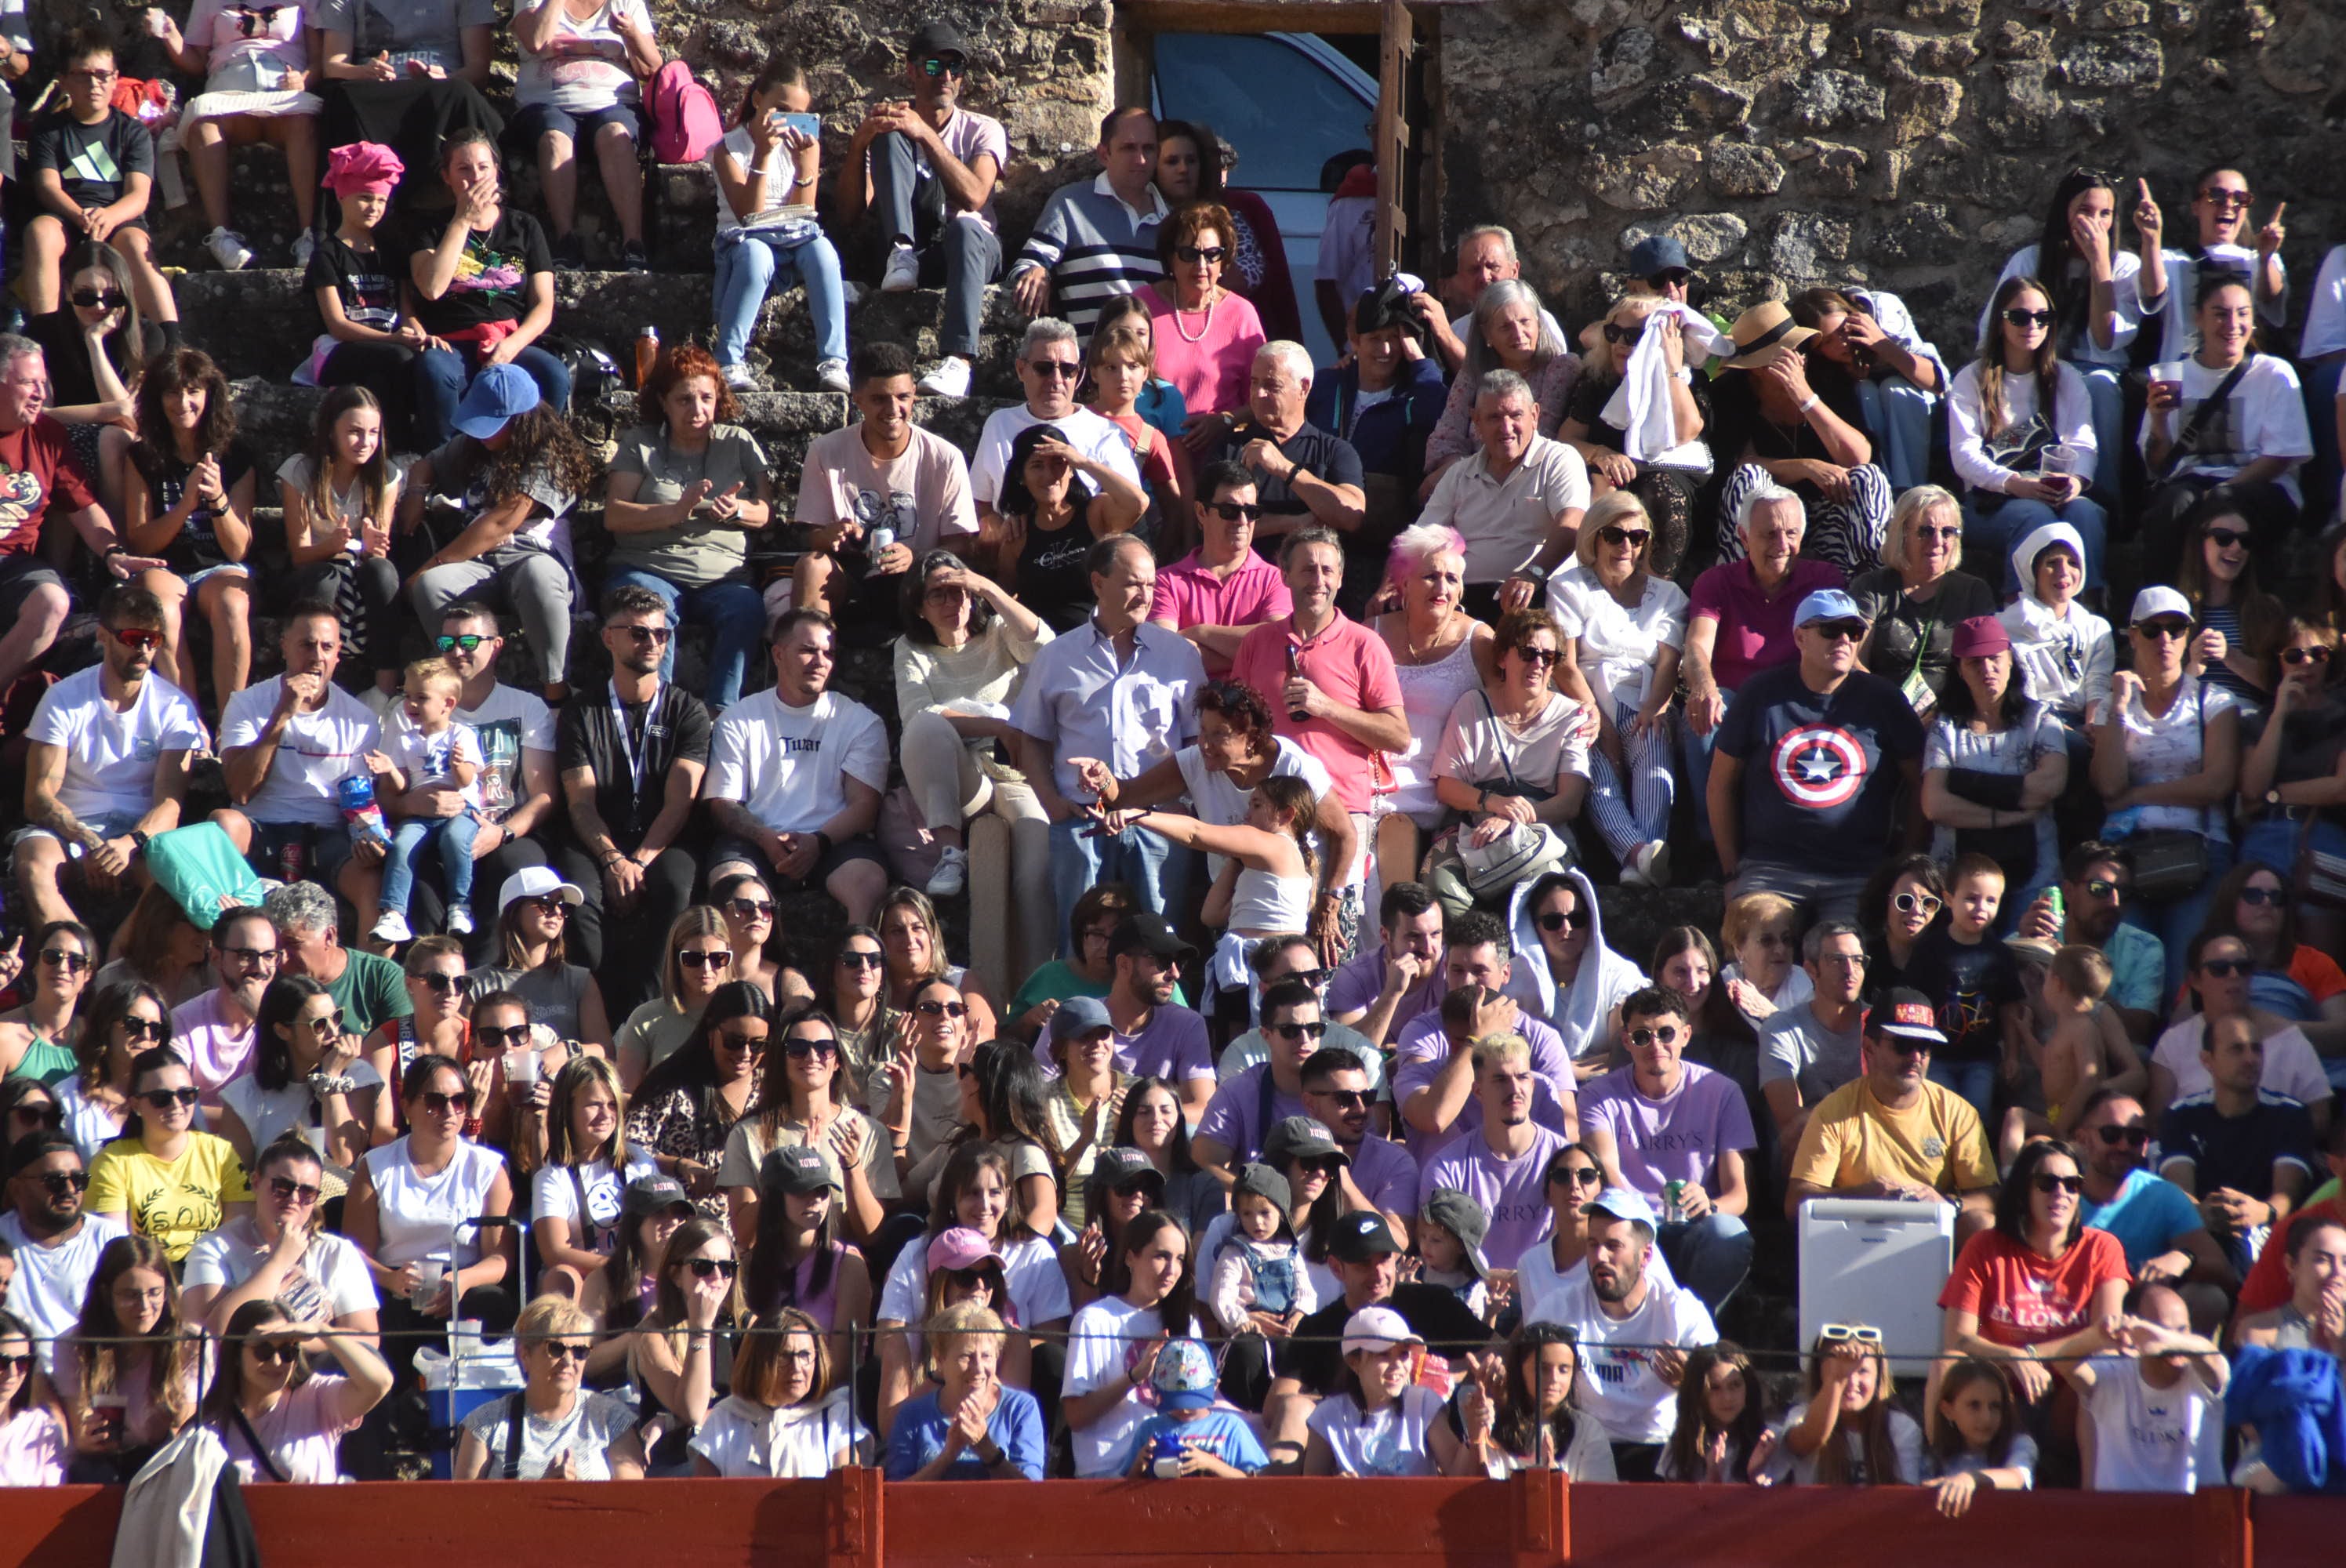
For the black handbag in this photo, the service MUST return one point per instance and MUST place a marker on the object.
(2169, 862)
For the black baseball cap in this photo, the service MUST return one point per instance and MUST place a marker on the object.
(1362, 1236)
(937, 37)
(1146, 930)
(655, 1194)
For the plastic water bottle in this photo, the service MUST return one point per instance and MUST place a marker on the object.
(647, 354)
(1164, 1457)
(359, 812)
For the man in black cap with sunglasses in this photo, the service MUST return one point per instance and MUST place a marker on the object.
(926, 168)
(55, 1238)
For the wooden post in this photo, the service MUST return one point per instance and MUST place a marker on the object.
(1397, 45)
(858, 1519)
(1540, 1501)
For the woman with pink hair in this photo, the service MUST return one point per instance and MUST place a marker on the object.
(1440, 653)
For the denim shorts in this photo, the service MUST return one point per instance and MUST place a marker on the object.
(532, 121)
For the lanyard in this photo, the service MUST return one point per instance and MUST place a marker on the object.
(626, 747)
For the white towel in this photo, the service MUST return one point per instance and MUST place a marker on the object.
(1640, 407)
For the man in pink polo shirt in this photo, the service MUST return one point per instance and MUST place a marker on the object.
(1221, 590)
(1330, 685)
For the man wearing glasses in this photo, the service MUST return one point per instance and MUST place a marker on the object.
(1811, 761)
(55, 1238)
(1050, 364)
(1250, 1104)
(2093, 881)
(216, 1033)
(632, 757)
(1677, 1132)
(2165, 1238)
(107, 765)
(927, 171)
(1221, 590)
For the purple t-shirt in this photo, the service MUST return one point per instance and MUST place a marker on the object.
(1353, 987)
(1423, 1048)
(1676, 1139)
(1173, 1046)
(1234, 1117)
(1385, 1173)
(1508, 1190)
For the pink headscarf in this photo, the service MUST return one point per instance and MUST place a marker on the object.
(363, 165)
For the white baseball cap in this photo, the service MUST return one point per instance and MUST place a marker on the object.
(535, 883)
(2159, 600)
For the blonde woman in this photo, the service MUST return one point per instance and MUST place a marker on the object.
(1916, 598)
(578, 1195)
(699, 959)
(552, 1427)
(1440, 653)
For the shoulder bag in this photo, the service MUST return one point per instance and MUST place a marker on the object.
(2169, 862)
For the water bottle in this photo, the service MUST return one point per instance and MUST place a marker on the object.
(359, 812)
(647, 354)
(1164, 1457)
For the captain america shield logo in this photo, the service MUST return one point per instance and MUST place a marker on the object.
(1820, 767)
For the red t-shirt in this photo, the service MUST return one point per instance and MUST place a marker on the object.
(2023, 1298)
(2267, 1286)
(35, 468)
(1347, 661)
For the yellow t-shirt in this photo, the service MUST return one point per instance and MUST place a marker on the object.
(1854, 1138)
(175, 1202)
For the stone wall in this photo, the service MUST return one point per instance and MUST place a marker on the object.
(1912, 144)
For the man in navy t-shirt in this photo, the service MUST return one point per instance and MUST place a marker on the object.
(1810, 762)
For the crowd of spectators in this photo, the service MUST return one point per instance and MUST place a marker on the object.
(1271, 739)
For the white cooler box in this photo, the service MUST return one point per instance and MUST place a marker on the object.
(1871, 1260)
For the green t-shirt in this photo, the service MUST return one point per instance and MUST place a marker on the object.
(1059, 980)
(701, 551)
(371, 990)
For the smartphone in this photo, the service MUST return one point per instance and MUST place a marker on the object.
(808, 126)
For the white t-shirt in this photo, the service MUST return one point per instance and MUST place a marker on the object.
(922, 492)
(1396, 1440)
(431, 759)
(2263, 417)
(417, 1213)
(2162, 747)
(789, 765)
(783, 192)
(332, 1272)
(1906, 1441)
(268, 1113)
(2153, 1440)
(1101, 1342)
(52, 1281)
(968, 137)
(110, 755)
(2325, 312)
(1618, 646)
(2292, 1067)
(584, 66)
(2080, 347)
(2177, 318)
(508, 722)
(317, 751)
(797, 1443)
(595, 1422)
(1986, 462)
(1623, 1392)
(1087, 431)
(555, 1189)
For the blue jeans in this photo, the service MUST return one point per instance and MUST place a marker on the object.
(442, 374)
(2321, 476)
(958, 251)
(407, 836)
(747, 264)
(1710, 1255)
(1695, 751)
(1146, 862)
(1994, 524)
(736, 616)
(1975, 1081)
(1898, 414)
(2175, 921)
(2106, 389)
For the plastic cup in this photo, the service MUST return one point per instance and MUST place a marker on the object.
(429, 1274)
(159, 22)
(521, 1067)
(2169, 374)
(2060, 462)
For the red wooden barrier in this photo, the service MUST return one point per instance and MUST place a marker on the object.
(1535, 1521)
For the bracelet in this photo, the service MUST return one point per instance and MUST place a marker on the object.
(1808, 403)
(111, 550)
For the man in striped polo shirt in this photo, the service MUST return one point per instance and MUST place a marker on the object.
(1097, 239)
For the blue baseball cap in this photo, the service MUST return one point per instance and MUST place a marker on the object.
(495, 396)
(1828, 604)
(1624, 1202)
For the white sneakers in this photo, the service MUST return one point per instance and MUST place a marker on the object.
(831, 376)
(949, 379)
(1648, 867)
(904, 270)
(460, 920)
(741, 378)
(951, 874)
(229, 249)
(304, 246)
(391, 926)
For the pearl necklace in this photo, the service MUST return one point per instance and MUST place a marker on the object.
(1212, 301)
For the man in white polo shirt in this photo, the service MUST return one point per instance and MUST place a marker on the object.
(1517, 502)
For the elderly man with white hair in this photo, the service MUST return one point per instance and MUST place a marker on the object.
(369, 990)
(1303, 475)
(1486, 255)
(1050, 363)
(1516, 501)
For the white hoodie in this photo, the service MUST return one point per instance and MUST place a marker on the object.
(2065, 659)
(1605, 978)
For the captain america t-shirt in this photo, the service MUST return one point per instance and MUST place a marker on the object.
(1819, 771)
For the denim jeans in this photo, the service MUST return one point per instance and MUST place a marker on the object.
(1148, 862)
(958, 252)
(2106, 389)
(1710, 1255)
(1993, 524)
(1897, 413)
(736, 616)
(442, 374)
(747, 263)
(1975, 1081)
(407, 837)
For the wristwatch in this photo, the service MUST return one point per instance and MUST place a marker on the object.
(138, 837)
(991, 1455)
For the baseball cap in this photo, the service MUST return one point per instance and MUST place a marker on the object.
(800, 1170)
(1079, 1015)
(1145, 931)
(1377, 1328)
(1624, 1202)
(1119, 1167)
(498, 394)
(36, 1147)
(937, 37)
(959, 1248)
(1262, 1181)
(654, 1194)
(1656, 254)
(1908, 1014)
(2159, 600)
(1299, 1138)
(1979, 636)
(536, 882)
(1828, 604)
(1463, 1218)
(1362, 1235)
(1184, 1376)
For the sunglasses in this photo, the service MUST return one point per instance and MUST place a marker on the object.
(299, 1191)
(1312, 1030)
(277, 1353)
(511, 1035)
(1839, 631)
(1941, 532)
(89, 74)
(712, 1267)
(46, 1113)
(1634, 537)
(2047, 1182)
(1576, 1175)
(2102, 888)
(2225, 968)
(560, 1352)
(2226, 197)
(2261, 897)
(1056, 370)
(467, 642)
(1536, 657)
(446, 984)
(250, 957)
(941, 1009)
(1557, 920)
(164, 1099)
(752, 909)
(1619, 334)
(710, 958)
(145, 1029)
(60, 958)
(1909, 903)
(646, 635)
(1667, 1035)
(63, 1182)
(2305, 656)
(136, 637)
(2132, 1137)
(856, 958)
(800, 1050)
(20, 1365)
(96, 299)
(439, 1104)
(944, 65)
(1196, 253)
(553, 904)
(1849, 1333)
(2164, 627)
(326, 1022)
(1906, 1046)
(2024, 318)
(1346, 1099)
(2227, 538)
(1235, 511)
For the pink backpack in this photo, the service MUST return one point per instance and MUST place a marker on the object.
(686, 125)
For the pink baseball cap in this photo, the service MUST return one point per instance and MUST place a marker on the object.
(959, 1248)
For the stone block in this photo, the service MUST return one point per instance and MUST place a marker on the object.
(1622, 65)
(1707, 237)
(1649, 181)
(2303, 52)
(1711, 102)
(2114, 15)
(1946, 13)
(1900, 57)
(2011, 40)
(1919, 233)
(1923, 108)
(1834, 100)
(2126, 62)
(1802, 244)
(2179, 16)
(1739, 169)
(1835, 171)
